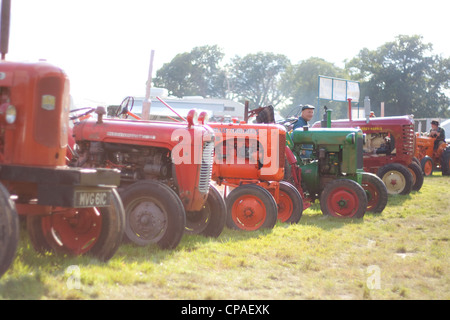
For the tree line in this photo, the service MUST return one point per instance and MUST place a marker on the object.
(404, 74)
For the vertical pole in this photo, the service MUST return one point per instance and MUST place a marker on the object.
(147, 101)
(5, 21)
(349, 109)
(246, 111)
(382, 110)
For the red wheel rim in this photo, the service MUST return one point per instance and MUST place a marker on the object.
(74, 230)
(373, 197)
(285, 206)
(248, 212)
(343, 202)
(428, 168)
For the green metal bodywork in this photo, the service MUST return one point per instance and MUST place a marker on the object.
(337, 153)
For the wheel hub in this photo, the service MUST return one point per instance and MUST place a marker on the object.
(147, 221)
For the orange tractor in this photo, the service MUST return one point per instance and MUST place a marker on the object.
(69, 210)
(431, 159)
(249, 158)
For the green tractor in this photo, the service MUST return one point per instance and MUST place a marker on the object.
(327, 164)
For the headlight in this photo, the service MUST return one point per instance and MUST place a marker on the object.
(192, 117)
(203, 117)
(8, 113)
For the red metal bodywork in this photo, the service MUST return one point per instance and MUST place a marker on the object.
(186, 145)
(400, 131)
(39, 135)
(33, 148)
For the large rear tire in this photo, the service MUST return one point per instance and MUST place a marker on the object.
(211, 220)
(445, 162)
(77, 231)
(397, 178)
(9, 230)
(343, 198)
(417, 174)
(154, 214)
(376, 192)
(251, 207)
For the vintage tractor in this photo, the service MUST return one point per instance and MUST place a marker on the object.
(429, 158)
(69, 210)
(388, 151)
(333, 171)
(249, 158)
(326, 164)
(165, 170)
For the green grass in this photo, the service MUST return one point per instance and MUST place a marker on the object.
(402, 253)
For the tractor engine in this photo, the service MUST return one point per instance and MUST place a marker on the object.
(134, 162)
(329, 162)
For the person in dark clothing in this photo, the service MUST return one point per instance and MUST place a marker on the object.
(438, 133)
(307, 115)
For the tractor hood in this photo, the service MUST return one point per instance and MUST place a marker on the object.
(158, 134)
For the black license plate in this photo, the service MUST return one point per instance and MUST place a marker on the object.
(91, 198)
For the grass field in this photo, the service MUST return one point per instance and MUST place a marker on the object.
(402, 253)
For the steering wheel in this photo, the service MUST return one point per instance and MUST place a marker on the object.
(125, 106)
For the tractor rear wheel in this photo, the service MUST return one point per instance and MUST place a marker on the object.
(397, 178)
(445, 162)
(9, 230)
(417, 174)
(210, 220)
(290, 203)
(343, 198)
(76, 231)
(154, 214)
(427, 165)
(377, 195)
(251, 207)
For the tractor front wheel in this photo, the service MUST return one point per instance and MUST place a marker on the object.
(290, 203)
(377, 195)
(210, 220)
(154, 214)
(427, 166)
(251, 207)
(77, 231)
(9, 230)
(397, 178)
(343, 198)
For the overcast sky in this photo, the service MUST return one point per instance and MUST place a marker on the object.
(104, 45)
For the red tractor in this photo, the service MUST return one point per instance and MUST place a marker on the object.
(249, 158)
(165, 170)
(431, 158)
(69, 210)
(388, 150)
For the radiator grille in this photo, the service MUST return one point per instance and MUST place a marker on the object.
(408, 139)
(206, 167)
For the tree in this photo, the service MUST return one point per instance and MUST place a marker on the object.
(300, 84)
(194, 73)
(256, 77)
(405, 76)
